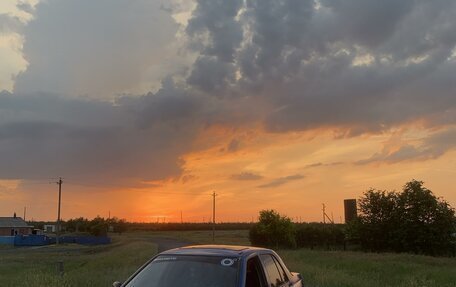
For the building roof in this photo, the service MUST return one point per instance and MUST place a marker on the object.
(215, 250)
(12, 222)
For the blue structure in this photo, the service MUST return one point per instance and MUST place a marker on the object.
(40, 240)
(31, 240)
(7, 240)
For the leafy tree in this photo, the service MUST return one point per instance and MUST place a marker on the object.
(98, 226)
(273, 230)
(118, 225)
(80, 224)
(426, 222)
(414, 220)
(378, 220)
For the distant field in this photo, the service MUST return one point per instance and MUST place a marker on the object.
(100, 266)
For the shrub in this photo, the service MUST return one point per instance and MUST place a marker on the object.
(311, 235)
(273, 230)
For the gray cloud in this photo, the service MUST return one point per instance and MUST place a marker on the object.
(358, 66)
(215, 23)
(281, 181)
(95, 48)
(233, 145)
(9, 24)
(351, 65)
(246, 176)
(430, 148)
(320, 164)
(45, 136)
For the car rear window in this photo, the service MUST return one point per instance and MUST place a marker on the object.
(188, 271)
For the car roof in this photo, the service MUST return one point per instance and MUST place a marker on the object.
(216, 250)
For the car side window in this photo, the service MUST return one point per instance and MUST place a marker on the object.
(275, 278)
(254, 275)
(281, 269)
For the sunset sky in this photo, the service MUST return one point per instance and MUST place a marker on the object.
(147, 107)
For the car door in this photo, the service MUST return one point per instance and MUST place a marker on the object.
(275, 274)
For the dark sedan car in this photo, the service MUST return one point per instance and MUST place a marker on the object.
(214, 266)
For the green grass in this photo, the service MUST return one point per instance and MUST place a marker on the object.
(84, 266)
(100, 266)
(340, 269)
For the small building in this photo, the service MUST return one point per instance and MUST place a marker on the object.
(10, 226)
(49, 228)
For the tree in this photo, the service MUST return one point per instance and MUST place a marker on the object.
(414, 220)
(273, 230)
(118, 225)
(427, 223)
(77, 225)
(98, 226)
(379, 216)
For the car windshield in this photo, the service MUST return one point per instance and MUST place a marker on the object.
(188, 271)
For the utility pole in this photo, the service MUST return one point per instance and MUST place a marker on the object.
(25, 211)
(182, 221)
(213, 216)
(58, 213)
(324, 214)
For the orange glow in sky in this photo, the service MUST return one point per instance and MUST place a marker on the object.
(293, 173)
(146, 108)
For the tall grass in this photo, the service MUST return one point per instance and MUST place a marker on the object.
(353, 269)
(100, 266)
(83, 266)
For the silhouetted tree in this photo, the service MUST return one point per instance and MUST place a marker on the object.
(414, 220)
(273, 230)
(426, 223)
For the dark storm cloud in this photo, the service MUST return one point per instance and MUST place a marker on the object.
(354, 66)
(45, 136)
(281, 181)
(216, 34)
(214, 21)
(211, 75)
(357, 66)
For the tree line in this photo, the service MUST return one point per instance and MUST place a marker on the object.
(413, 220)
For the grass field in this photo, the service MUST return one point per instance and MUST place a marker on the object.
(100, 266)
(84, 266)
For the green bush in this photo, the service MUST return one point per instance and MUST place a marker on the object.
(312, 235)
(273, 230)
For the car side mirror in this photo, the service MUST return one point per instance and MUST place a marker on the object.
(116, 284)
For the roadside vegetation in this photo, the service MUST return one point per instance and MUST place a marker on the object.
(412, 221)
(83, 265)
(102, 265)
